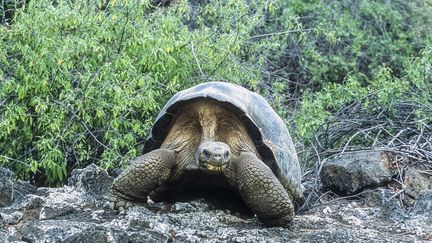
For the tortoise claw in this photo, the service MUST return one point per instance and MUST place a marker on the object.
(121, 204)
(112, 205)
(118, 203)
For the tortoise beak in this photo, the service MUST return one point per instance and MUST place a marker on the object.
(213, 156)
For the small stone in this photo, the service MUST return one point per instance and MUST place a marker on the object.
(160, 227)
(96, 215)
(138, 224)
(55, 210)
(415, 182)
(5, 237)
(423, 204)
(10, 217)
(30, 202)
(182, 207)
(12, 190)
(6, 187)
(327, 210)
(377, 197)
(148, 236)
(353, 221)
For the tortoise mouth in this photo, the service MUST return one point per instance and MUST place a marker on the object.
(212, 167)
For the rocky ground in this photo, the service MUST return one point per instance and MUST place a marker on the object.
(79, 213)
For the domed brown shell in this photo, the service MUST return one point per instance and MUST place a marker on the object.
(266, 128)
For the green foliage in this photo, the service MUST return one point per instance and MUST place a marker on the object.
(8, 9)
(320, 42)
(386, 93)
(339, 57)
(81, 82)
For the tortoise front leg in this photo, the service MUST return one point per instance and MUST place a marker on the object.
(261, 190)
(145, 174)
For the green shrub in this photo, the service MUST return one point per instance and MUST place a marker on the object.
(81, 82)
(330, 64)
(348, 114)
(321, 42)
(8, 9)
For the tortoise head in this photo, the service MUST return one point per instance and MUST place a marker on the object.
(213, 156)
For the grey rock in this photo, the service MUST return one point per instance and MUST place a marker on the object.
(67, 219)
(351, 172)
(11, 190)
(145, 236)
(29, 202)
(10, 216)
(379, 196)
(337, 235)
(391, 208)
(63, 231)
(91, 235)
(6, 186)
(26, 209)
(6, 238)
(183, 207)
(135, 224)
(415, 182)
(423, 204)
(53, 210)
(92, 180)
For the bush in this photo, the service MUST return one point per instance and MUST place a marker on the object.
(391, 112)
(8, 9)
(81, 82)
(319, 42)
(342, 67)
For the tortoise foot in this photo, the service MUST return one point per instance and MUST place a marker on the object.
(118, 203)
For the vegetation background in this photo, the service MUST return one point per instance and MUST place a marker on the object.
(81, 81)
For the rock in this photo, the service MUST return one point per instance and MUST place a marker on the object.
(53, 210)
(6, 186)
(378, 196)
(11, 190)
(144, 237)
(27, 209)
(92, 180)
(423, 204)
(351, 172)
(415, 182)
(5, 237)
(391, 208)
(65, 215)
(29, 202)
(183, 208)
(64, 231)
(10, 216)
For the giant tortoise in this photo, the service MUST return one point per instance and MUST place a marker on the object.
(217, 134)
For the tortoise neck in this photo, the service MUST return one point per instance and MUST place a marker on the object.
(208, 122)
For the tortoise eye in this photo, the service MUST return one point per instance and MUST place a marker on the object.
(226, 155)
(206, 154)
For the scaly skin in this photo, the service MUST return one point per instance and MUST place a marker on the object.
(261, 190)
(146, 173)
